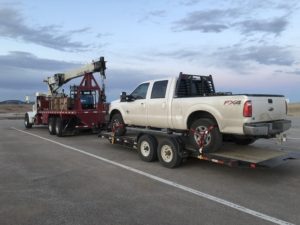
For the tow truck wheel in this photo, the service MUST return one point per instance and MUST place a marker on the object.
(51, 125)
(212, 141)
(118, 123)
(168, 153)
(147, 148)
(59, 127)
(26, 121)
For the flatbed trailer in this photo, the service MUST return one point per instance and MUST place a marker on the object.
(171, 149)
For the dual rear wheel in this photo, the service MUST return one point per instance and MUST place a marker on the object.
(55, 126)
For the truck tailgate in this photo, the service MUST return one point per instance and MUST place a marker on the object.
(268, 108)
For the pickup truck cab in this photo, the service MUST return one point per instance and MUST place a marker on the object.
(190, 102)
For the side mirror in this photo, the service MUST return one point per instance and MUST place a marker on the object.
(123, 97)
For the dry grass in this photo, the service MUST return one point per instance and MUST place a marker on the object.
(13, 108)
(294, 109)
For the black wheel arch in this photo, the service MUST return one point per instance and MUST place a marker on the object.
(114, 112)
(200, 115)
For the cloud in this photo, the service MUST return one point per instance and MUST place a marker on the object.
(265, 55)
(215, 20)
(246, 17)
(189, 2)
(22, 73)
(180, 54)
(275, 25)
(153, 14)
(12, 25)
(25, 60)
(295, 72)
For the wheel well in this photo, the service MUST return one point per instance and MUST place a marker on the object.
(114, 112)
(198, 115)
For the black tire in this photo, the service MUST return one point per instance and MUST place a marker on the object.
(59, 127)
(52, 125)
(214, 139)
(147, 148)
(27, 124)
(168, 153)
(117, 121)
(240, 140)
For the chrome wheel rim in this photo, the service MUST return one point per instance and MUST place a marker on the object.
(197, 136)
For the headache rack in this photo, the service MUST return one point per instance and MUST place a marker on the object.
(189, 85)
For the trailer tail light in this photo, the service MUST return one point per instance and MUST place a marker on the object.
(247, 112)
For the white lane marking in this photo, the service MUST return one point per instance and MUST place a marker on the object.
(170, 183)
(293, 138)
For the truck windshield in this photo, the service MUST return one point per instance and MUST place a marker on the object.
(87, 101)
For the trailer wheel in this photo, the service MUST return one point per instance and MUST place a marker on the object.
(147, 148)
(118, 122)
(52, 125)
(168, 153)
(59, 127)
(243, 140)
(27, 124)
(213, 140)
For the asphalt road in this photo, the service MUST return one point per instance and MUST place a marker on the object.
(54, 181)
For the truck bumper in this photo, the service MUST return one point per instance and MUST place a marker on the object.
(267, 128)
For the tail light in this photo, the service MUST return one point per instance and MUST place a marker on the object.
(247, 112)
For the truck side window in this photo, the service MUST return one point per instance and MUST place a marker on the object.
(141, 91)
(159, 89)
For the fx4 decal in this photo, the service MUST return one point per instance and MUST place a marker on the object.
(232, 102)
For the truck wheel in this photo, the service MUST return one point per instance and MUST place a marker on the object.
(213, 140)
(117, 121)
(243, 140)
(147, 148)
(59, 127)
(168, 153)
(52, 125)
(26, 121)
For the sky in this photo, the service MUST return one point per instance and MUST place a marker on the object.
(249, 46)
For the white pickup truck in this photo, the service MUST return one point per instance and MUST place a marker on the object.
(190, 103)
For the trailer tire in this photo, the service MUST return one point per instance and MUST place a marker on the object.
(214, 139)
(147, 148)
(27, 124)
(168, 153)
(117, 120)
(59, 127)
(52, 125)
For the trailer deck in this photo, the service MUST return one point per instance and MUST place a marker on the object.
(230, 154)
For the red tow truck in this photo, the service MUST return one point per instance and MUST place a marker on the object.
(84, 108)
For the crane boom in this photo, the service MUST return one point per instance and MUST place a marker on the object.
(57, 80)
